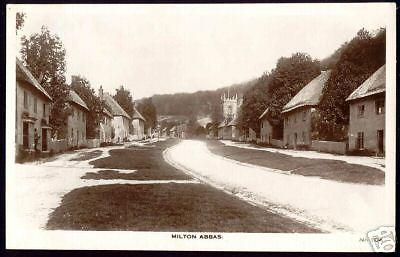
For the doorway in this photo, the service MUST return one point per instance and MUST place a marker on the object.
(25, 135)
(44, 139)
(380, 136)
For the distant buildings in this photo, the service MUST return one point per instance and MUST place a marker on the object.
(76, 121)
(367, 114)
(299, 110)
(120, 121)
(227, 129)
(31, 112)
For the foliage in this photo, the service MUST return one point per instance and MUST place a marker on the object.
(124, 99)
(19, 20)
(359, 59)
(275, 89)
(149, 112)
(83, 88)
(44, 55)
(198, 104)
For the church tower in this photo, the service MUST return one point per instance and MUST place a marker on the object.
(230, 107)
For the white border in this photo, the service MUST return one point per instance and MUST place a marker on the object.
(28, 239)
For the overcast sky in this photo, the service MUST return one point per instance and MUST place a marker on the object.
(157, 49)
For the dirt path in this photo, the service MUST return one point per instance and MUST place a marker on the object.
(330, 205)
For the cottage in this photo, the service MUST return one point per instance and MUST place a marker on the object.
(172, 132)
(299, 110)
(76, 121)
(269, 128)
(181, 130)
(138, 122)
(33, 105)
(367, 114)
(164, 132)
(120, 121)
(105, 132)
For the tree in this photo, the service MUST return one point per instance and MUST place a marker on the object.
(149, 112)
(275, 89)
(358, 60)
(83, 88)
(19, 20)
(124, 99)
(44, 55)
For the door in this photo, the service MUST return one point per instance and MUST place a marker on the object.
(44, 139)
(295, 140)
(380, 141)
(25, 135)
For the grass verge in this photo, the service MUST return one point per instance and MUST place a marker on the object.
(326, 169)
(165, 207)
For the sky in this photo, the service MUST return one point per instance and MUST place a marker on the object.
(158, 49)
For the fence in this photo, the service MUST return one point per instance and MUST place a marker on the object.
(329, 146)
(58, 145)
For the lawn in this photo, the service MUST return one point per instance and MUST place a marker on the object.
(326, 169)
(147, 160)
(165, 207)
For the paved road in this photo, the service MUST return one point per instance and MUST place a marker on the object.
(328, 205)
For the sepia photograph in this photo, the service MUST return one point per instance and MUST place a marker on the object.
(224, 127)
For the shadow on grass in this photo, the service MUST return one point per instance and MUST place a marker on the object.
(165, 207)
(325, 169)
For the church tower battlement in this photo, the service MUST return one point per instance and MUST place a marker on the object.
(230, 106)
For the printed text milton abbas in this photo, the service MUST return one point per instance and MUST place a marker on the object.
(196, 236)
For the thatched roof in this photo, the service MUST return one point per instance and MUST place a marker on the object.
(310, 94)
(116, 109)
(137, 115)
(106, 112)
(263, 114)
(373, 85)
(172, 129)
(23, 74)
(74, 97)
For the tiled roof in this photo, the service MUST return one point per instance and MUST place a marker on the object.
(116, 109)
(74, 97)
(310, 94)
(137, 115)
(22, 73)
(373, 85)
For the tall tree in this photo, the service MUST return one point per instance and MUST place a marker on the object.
(275, 89)
(124, 99)
(44, 54)
(83, 88)
(19, 20)
(358, 60)
(149, 112)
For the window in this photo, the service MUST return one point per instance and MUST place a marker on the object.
(380, 106)
(44, 110)
(79, 114)
(303, 135)
(83, 116)
(73, 113)
(72, 133)
(25, 100)
(361, 111)
(35, 104)
(304, 115)
(360, 140)
(295, 117)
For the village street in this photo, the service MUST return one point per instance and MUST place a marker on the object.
(131, 187)
(328, 204)
(176, 185)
